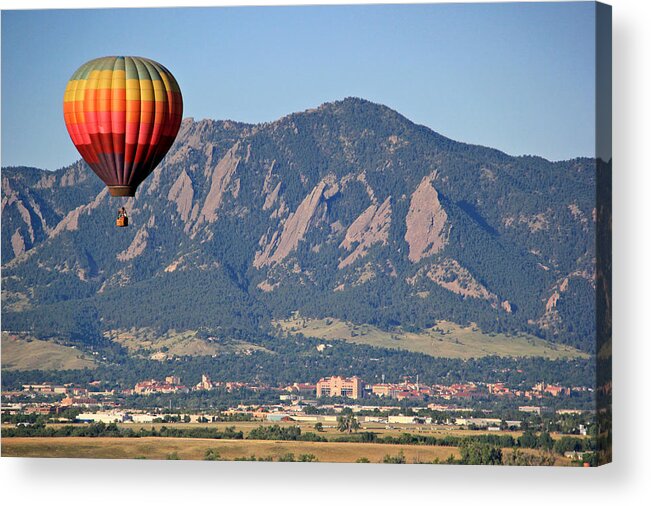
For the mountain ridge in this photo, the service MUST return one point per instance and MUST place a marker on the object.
(319, 211)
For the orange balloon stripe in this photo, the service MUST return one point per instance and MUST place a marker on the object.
(91, 128)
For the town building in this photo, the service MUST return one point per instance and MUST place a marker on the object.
(534, 409)
(302, 388)
(170, 386)
(386, 390)
(11, 409)
(102, 416)
(458, 390)
(498, 389)
(78, 401)
(401, 391)
(40, 409)
(554, 390)
(570, 411)
(338, 386)
(141, 418)
(412, 394)
(404, 419)
(487, 422)
(43, 388)
(205, 383)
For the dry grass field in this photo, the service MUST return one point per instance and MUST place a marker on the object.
(161, 448)
(27, 353)
(195, 449)
(446, 339)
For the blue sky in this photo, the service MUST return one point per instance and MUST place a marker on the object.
(517, 77)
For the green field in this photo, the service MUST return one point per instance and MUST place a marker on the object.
(446, 339)
(27, 353)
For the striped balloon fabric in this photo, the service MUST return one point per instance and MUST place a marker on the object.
(122, 114)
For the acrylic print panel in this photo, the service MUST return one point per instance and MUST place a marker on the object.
(367, 233)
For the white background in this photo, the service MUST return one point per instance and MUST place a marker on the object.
(627, 481)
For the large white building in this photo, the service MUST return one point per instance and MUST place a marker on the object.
(102, 416)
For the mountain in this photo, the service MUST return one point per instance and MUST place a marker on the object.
(34, 202)
(348, 210)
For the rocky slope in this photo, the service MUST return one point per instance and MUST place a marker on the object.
(348, 210)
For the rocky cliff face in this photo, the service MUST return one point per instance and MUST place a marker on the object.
(426, 222)
(34, 202)
(347, 209)
(449, 274)
(371, 227)
(309, 213)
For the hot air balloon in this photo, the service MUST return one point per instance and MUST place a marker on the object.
(122, 114)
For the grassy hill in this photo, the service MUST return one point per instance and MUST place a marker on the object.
(27, 353)
(445, 339)
(148, 343)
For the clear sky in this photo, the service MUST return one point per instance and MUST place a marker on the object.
(517, 77)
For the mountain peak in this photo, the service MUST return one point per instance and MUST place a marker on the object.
(360, 106)
(355, 102)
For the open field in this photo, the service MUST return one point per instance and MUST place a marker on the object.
(161, 448)
(195, 449)
(446, 339)
(27, 353)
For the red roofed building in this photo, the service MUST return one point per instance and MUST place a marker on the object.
(302, 388)
(152, 386)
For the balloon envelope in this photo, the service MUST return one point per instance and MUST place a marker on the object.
(122, 114)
